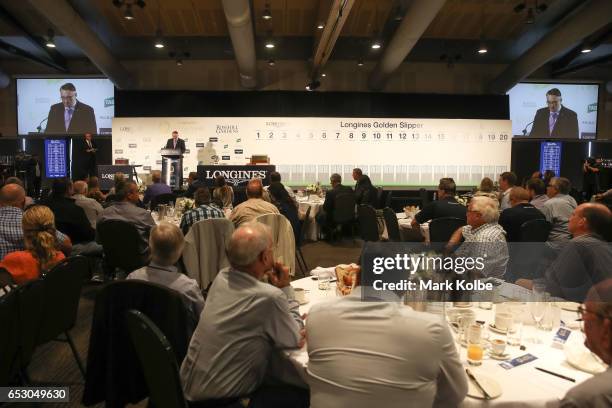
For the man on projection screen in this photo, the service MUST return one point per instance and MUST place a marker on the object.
(71, 115)
(556, 121)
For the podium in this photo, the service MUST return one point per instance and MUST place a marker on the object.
(172, 168)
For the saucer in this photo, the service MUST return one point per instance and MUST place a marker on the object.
(463, 305)
(500, 331)
(504, 356)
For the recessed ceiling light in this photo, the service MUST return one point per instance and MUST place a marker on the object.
(320, 26)
(482, 49)
(159, 40)
(267, 14)
(269, 44)
(586, 49)
(128, 15)
(314, 84)
(271, 62)
(324, 74)
(50, 38)
(360, 63)
(376, 45)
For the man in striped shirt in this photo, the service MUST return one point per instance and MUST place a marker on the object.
(203, 210)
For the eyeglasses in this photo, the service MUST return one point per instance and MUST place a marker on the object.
(582, 310)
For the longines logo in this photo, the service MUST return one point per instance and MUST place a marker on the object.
(226, 129)
(235, 177)
(225, 158)
(213, 139)
(275, 124)
(132, 145)
(108, 176)
(200, 145)
(125, 129)
(238, 151)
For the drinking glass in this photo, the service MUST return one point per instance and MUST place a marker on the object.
(537, 308)
(324, 283)
(475, 344)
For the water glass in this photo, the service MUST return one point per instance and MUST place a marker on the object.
(475, 344)
(324, 284)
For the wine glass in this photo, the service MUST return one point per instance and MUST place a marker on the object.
(537, 307)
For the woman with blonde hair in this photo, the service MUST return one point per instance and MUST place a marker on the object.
(486, 189)
(41, 253)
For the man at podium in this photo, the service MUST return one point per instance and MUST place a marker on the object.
(176, 143)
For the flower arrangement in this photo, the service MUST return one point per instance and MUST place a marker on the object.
(314, 188)
(462, 200)
(141, 187)
(188, 204)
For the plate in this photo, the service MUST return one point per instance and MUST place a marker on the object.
(504, 356)
(489, 384)
(569, 306)
(500, 331)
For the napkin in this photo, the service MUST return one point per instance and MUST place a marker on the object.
(321, 272)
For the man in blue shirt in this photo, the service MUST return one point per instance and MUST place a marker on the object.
(157, 188)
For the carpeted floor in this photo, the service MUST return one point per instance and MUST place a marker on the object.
(53, 363)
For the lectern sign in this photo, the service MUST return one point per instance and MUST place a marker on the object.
(236, 176)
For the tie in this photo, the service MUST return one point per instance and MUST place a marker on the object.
(89, 144)
(68, 117)
(174, 145)
(552, 121)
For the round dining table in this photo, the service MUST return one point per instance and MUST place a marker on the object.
(522, 386)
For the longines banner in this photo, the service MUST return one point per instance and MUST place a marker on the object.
(237, 176)
(393, 152)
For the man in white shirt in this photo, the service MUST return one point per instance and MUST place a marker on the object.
(507, 180)
(380, 354)
(166, 242)
(245, 325)
(92, 208)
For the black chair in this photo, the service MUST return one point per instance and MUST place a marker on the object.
(344, 212)
(120, 241)
(379, 197)
(441, 229)
(535, 231)
(424, 197)
(298, 253)
(162, 199)
(62, 292)
(31, 299)
(157, 360)
(368, 224)
(5, 278)
(9, 340)
(392, 225)
(388, 199)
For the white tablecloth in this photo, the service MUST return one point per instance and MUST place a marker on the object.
(522, 386)
(315, 204)
(405, 224)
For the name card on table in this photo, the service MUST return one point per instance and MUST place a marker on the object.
(561, 337)
(515, 362)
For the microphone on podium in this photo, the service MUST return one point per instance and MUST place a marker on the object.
(39, 127)
(525, 129)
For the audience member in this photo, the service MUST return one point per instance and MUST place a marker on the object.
(93, 190)
(548, 175)
(537, 192)
(536, 175)
(357, 356)
(41, 253)
(326, 217)
(125, 209)
(596, 315)
(254, 206)
(287, 207)
(92, 208)
(365, 192)
(444, 206)
(193, 183)
(157, 188)
(558, 209)
(486, 189)
(71, 219)
(245, 325)
(12, 201)
(507, 180)
(203, 210)
(16, 180)
(483, 235)
(118, 178)
(521, 211)
(166, 242)
(223, 192)
(275, 177)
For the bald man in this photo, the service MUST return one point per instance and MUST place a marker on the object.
(245, 324)
(254, 206)
(585, 260)
(92, 208)
(597, 326)
(12, 202)
(520, 212)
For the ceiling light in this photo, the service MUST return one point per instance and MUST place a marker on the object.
(50, 41)
(267, 14)
(271, 62)
(530, 16)
(128, 13)
(376, 44)
(179, 62)
(324, 74)
(320, 26)
(360, 63)
(314, 84)
(269, 44)
(482, 49)
(159, 40)
(586, 48)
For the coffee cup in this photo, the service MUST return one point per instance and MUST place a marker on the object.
(503, 321)
(300, 295)
(498, 346)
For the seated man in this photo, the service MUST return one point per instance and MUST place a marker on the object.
(444, 206)
(92, 208)
(254, 206)
(537, 192)
(125, 209)
(245, 324)
(558, 209)
(326, 217)
(203, 210)
(275, 177)
(483, 237)
(72, 220)
(157, 188)
(166, 243)
(585, 260)
(12, 202)
(511, 219)
(597, 326)
(507, 181)
(380, 354)
(193, 184)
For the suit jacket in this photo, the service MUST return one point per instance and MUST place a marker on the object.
(180, 144)
(330, 199)
(71, 219)
(566, 126)
(83, 119)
